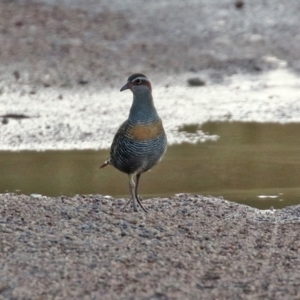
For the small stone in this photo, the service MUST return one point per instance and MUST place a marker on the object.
(85, 226)
(46, 80)
(4, 121)
(196, 81)
(239, 4)
(16, 75)
(35, 196)
(83, 81)
(19, 23)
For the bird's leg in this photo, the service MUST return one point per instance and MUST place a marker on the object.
(136, 192)
(132, 186)
(137, 179)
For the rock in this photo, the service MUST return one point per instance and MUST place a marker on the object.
(239, 4)
(196, 81)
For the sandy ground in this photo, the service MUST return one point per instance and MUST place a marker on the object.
(62, 66)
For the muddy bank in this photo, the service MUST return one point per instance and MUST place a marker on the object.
(78, 42)
(62, 65)
(187, 247)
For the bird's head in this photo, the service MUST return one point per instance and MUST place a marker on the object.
(137, 83)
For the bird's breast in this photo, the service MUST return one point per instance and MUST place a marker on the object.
(143, 132)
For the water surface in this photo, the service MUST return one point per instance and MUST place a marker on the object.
(253, 163)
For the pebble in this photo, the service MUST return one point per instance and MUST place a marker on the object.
(196, 81)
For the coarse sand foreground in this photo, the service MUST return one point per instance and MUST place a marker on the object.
(187, 247)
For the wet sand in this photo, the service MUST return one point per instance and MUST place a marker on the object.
(188, 247)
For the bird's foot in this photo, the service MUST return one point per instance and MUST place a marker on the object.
(140, 203)
(124, 207)
(134, 206)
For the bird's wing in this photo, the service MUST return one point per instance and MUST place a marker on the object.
(118, 137)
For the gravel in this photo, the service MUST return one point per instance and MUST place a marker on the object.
(187, 247)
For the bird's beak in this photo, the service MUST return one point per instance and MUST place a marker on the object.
(125, 87)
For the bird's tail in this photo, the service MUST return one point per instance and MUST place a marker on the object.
(106, 163)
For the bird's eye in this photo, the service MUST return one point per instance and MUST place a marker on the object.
(138, 81)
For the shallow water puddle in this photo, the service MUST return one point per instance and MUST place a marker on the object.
(253, 163)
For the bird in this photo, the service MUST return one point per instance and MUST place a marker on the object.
(140, 142)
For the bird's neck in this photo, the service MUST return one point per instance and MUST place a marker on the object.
(143, 109)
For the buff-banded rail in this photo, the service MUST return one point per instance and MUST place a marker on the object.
(140, 142)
